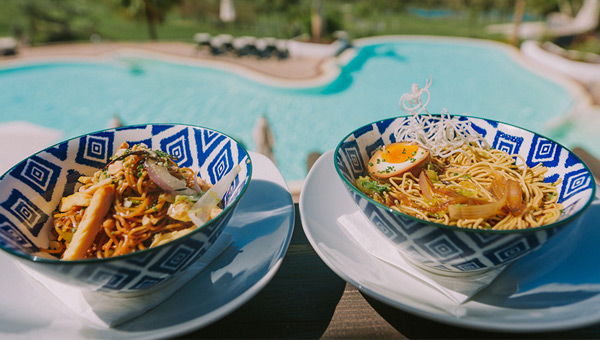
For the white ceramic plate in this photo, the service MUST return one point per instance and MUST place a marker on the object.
(554, 288)
(261, 229)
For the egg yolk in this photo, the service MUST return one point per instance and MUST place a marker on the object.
(399, 152)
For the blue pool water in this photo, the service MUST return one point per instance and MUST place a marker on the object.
(468, 77)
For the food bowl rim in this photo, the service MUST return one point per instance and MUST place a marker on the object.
(232, 205)
(566, 220)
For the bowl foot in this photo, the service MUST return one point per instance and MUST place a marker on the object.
(438, 271)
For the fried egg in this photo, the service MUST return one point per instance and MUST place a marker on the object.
(397, 158)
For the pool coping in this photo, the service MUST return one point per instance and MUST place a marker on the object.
(327, 74)
(324, 70)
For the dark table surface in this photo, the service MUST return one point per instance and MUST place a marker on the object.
(306, 300)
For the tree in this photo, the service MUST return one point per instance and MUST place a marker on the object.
(57, 20)
(153, 11)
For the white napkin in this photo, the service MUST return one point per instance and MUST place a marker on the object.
(19, 139)
(458, 289)
(109, 310)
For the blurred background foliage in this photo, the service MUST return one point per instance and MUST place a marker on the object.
(46, 21)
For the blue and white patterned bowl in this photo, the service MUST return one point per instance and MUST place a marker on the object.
(32, 190)
(453, 250)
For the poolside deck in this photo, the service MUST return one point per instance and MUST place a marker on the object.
(287, 69)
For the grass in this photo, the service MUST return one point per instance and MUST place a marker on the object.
(180, 26)
(202, 16)
(8, 13)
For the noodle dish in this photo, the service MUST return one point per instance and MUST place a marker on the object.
(122, 210)
(460, 194)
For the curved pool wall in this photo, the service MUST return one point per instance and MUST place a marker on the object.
(473, 77)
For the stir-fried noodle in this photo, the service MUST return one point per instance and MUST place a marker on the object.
(466, 179)
(464, 183)
(133, 211)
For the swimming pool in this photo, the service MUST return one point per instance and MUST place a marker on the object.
(470, 77)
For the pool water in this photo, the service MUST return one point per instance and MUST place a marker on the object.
(468, 78)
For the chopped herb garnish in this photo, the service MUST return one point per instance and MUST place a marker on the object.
(369, 186)
(163, 154)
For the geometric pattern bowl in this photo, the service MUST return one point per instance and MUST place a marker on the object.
(31, 191)
(458, 251)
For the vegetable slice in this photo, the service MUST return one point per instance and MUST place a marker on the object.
(163, 178)
(500, 188)
(200, 213)
(426, 187)
(462, 211)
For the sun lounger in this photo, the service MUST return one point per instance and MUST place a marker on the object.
(262, 48)
(244, 46)
(557, 25)
(585, 72)
(226, 41)
(281, 47)
(271, 44)
(8, 46)
(216, 46)
(202, 39)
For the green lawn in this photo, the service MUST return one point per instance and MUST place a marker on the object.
(181, 23)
